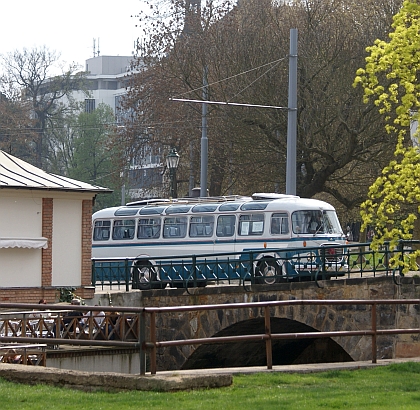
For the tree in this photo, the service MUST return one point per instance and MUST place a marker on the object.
(92, 159)
(245, 49)
(15, 128)
(29, 77)
(390, 79)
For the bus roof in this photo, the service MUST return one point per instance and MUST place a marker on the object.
(274, 202)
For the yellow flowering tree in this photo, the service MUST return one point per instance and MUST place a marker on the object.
(390, 78)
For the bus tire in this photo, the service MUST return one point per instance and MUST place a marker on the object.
(267, 272)
(143, 275)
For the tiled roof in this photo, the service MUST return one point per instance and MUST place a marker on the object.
(15, 173)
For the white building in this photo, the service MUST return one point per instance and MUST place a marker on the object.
(45, 233)
(107, 81)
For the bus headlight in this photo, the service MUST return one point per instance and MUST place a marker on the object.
(311, 257)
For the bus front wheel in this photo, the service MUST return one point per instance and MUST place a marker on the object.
(143, 276)
(267, 272)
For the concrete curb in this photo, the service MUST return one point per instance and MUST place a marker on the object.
(111, 381)
(166, 381)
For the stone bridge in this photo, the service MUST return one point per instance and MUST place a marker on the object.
(289, 319)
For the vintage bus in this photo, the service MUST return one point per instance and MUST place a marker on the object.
(271, 227)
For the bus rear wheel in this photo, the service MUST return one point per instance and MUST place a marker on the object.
(143, 276)
(268, 272)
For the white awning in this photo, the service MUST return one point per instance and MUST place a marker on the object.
(31, 243)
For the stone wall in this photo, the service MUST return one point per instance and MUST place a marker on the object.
(321, 318)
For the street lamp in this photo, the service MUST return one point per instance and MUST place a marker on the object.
(172, 161)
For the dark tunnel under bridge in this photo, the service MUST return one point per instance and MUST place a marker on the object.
(253, 353)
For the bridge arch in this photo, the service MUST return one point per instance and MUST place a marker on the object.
(252, 353)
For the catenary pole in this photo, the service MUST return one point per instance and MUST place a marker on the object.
(204, 139)
(292, 116)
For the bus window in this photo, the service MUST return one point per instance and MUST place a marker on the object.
(148, 228)
(229, 207)
(307, 222)
(123, 229)
(175, 227)
(204, 208)
(201, 226)
(330, 223)
(254, 206)
(279, 224)
(225, 225)
(252, 224)
(101, 230)
(177, 209)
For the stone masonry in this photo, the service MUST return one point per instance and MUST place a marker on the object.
(320, 318)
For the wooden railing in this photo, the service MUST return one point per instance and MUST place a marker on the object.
(135, 321)
(34, 355)
(52, 324)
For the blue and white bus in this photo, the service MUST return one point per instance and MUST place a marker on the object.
(270, 226)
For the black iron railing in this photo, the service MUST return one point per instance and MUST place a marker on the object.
(260, 266)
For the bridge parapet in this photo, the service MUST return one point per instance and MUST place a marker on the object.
(318, 318)
(173, 315)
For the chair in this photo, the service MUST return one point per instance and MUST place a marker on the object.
(193, 230)
(118, 233)
(228, 230)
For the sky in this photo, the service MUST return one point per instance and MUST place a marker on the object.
(70, 28)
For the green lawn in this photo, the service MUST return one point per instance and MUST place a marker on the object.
(386, 387)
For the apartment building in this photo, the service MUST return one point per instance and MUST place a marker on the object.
(107, 81)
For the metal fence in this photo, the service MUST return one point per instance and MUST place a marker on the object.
(260, 266)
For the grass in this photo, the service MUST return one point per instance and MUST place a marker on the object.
(395, 386)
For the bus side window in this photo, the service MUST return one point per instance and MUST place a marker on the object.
(175, 227)
(123, 229)
(225, 225)
(101, 231)
(251, 224)
(201, 226)
(148, 228)
(279, 224)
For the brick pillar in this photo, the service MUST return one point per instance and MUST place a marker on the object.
(47, 230)
(86, 242)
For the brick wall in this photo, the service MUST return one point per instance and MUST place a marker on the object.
(86, 242)
(47, 230)
(29, 295)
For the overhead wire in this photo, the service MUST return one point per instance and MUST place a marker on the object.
(276, 62)
(272, 65)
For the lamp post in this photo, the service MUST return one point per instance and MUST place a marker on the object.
(172, 161)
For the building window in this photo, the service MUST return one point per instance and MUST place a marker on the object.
(89, 105)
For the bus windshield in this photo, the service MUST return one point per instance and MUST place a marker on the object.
(315, 222)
